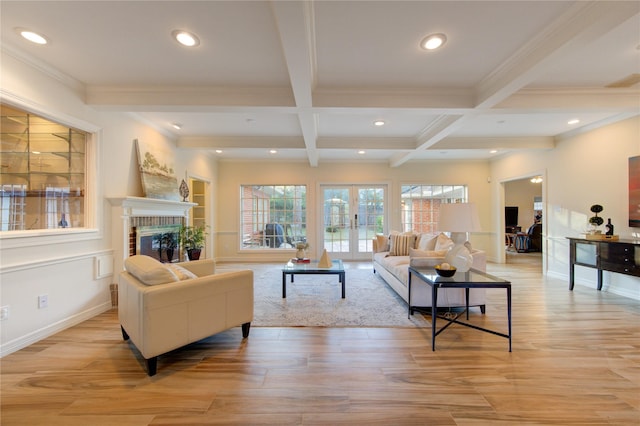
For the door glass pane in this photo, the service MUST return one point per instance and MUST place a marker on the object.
(370, 217)
(336, 220)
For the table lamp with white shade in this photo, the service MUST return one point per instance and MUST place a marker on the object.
(459, 219)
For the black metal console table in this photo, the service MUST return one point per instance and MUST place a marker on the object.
(621, 256)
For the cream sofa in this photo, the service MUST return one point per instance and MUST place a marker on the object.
(425, 252)
(162, 307)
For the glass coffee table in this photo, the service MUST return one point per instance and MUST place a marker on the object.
(467, 280)
(311, 267)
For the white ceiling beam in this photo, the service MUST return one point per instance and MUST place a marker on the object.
(220, 142)
(153, 98)
(519, 142)
(296, 27)
(345, 142)
(434, 132)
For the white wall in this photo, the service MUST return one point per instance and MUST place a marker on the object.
(232, 174)
(587, 169)
(62, 263)
(520, 193)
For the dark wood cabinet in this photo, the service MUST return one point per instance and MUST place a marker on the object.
(621, 256)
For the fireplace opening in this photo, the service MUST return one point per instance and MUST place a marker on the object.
(159, 242)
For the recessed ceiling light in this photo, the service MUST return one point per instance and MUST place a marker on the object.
(35, 152)
(378, 123)
(433, 41)
(218, 151)
(186, 38)
(574, 121)
(32, 36)
(362, 152)
(493, 151)
(176, 126)
(273, 151)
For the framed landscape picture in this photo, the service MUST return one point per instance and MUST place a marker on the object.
(157, 172)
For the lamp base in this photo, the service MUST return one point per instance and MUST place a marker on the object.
(460, 257)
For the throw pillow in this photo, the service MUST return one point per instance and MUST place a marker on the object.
(148, 270)
(382, 243)
(443, 242)
(181, 272)
(400, 244)
(427, 242)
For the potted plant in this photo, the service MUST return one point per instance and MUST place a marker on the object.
(192, 239)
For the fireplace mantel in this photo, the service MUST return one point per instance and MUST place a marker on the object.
(125, 210)
(141, 206)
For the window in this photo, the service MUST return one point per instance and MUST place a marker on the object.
(420, 205)
(273, 216)
(42, 180)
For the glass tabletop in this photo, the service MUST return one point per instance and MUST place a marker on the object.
(471, 276)
(312, 266)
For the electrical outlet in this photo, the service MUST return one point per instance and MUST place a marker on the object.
(4, 313)
(43, 301)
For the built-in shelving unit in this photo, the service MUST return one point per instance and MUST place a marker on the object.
(198, 193)
(42, 174)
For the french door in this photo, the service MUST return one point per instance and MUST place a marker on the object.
(351, 217)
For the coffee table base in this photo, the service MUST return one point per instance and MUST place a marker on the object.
(339, 272)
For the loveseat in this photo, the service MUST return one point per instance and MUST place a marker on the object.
(393, 254)
(162, 307)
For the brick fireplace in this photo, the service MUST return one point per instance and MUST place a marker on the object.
(142, 224)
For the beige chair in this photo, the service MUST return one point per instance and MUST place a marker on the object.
(162, 307)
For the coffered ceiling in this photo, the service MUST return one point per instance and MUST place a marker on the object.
(308, 79)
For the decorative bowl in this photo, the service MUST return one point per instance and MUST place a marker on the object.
(445, 272)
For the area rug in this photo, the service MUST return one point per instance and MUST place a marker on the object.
(315, 300)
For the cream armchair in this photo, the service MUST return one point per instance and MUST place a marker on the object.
(162, 307)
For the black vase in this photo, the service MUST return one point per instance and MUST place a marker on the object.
(169, 255)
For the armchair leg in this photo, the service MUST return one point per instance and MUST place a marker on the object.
(245, 329)
(152, 366)
(125, 336)
(483, 309)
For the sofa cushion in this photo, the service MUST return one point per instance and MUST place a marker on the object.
(427, 253)
(148, 270)
(425, 262)
(400, 244)
(181, 273)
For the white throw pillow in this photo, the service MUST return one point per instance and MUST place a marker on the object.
(181, 273)
(427, 242)
(443, 242)
(149, 271)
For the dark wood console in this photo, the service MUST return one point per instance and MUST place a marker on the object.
(621, 256)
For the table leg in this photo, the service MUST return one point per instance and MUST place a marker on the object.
(284, 284)
(434, 315)
(466, 294)
(343, 281)
(509, 313)
(409, 296)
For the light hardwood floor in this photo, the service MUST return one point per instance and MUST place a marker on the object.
(575, 361)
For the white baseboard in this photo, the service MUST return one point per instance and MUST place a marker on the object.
(51, 329)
